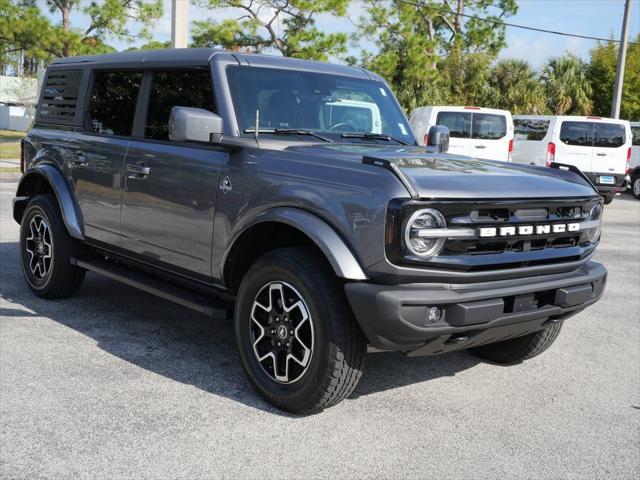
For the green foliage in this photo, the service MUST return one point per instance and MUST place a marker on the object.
(602, 72)
(567, 86)
(516, 87)
(25, 31)
(287, 26)
(429, 53)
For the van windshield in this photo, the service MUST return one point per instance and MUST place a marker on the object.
(592, 134)
(332, 106)
(482, 126)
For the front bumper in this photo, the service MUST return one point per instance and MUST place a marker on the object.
(394, 317)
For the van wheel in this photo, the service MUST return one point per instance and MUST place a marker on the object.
(46, 249)
(635, 187)
(516, 350)
(299, 343)
(608, 199)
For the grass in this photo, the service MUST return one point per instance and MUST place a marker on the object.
(9, 150)
(10, 170)
(11, 135)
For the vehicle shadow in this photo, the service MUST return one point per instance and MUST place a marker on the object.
(182, 345)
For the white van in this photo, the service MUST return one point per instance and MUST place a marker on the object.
(363, 116)
(599, 147)
(484, 133)
(634, 164)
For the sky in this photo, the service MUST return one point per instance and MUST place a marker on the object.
(599, 18)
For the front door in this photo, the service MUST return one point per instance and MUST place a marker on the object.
(96, 155)
(170, 187)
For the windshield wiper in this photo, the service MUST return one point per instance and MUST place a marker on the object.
(288, 131)
(373, 136)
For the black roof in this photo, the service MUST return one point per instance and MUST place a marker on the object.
(193, 57)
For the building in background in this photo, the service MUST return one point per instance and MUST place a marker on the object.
(18, 98)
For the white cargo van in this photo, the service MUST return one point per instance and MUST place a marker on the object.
(599, 147)
(634, 164)
(484, 133)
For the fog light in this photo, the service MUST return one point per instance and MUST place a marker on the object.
(434, 314)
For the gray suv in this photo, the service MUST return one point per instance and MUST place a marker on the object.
(295, 193)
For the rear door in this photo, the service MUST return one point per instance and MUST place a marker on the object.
(459, 125)
(575, 145)
(529, 146)
(170, 187)
(490, 135)
(635, 148)
(96, 154)
(609, 150)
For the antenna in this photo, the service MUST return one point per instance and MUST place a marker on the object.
(255, 130)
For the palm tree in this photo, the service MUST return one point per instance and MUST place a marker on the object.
(517, 87)
(567, 86)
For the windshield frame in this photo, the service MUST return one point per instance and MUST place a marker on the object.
(392, 106)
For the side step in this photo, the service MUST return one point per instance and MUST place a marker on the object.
(210, 307)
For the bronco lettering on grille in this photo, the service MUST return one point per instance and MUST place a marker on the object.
(488, 232)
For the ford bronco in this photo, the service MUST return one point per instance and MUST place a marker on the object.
(295, 193)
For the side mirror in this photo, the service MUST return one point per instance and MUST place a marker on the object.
(438, 137)
(194, 125)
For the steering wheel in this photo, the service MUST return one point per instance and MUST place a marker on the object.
(341, 125)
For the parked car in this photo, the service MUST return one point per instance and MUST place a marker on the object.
(634, 163)
(484, 133)
(214, 180)
(599, 147)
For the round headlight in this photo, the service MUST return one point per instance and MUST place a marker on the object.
(416, 235)
(595, 215)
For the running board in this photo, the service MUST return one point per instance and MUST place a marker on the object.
(181, 296)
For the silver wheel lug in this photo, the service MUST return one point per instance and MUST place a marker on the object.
(279, 344)
(272, 332)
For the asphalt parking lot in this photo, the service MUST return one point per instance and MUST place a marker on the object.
(115, 383)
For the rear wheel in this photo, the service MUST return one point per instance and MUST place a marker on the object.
(635, 186)
(298, 341)
(46, 250)
(519, 349)
(608, 199)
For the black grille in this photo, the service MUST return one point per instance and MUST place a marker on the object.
(60, 95)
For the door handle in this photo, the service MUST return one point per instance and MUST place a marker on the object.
(481, 146)
(138, 170)
(601, 154)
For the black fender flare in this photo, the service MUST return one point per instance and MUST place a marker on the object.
(334, 248)
(69, 208)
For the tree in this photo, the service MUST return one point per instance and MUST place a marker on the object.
(428, 51)
(516, 87)
(287, 26)
(567, 87)
(601, 73)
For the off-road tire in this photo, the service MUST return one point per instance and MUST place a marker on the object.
(516, 350)
(62, 279)
(339, 347)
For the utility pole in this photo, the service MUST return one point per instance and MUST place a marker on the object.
(179, 24)
(622, 55)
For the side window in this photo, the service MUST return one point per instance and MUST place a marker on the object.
(458, 123)
(528, 129)
(113, 102)
(176, 89)
(577, 133)
(488, 127)
(635, 132)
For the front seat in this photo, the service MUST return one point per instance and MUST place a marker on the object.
(281, 111)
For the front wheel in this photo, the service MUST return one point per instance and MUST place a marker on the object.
(516, 350)
(298, 341)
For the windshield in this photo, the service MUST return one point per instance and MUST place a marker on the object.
(330, 105)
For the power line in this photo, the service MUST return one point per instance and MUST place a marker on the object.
(513, 25)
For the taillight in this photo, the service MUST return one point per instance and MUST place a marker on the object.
(627, 170)
(551, 154)
(22, 156)
(510, 150)
(425, 140)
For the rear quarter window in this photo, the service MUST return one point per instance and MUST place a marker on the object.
(59, 100)
(528, 129)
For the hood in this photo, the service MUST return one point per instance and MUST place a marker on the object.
(427, 174)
